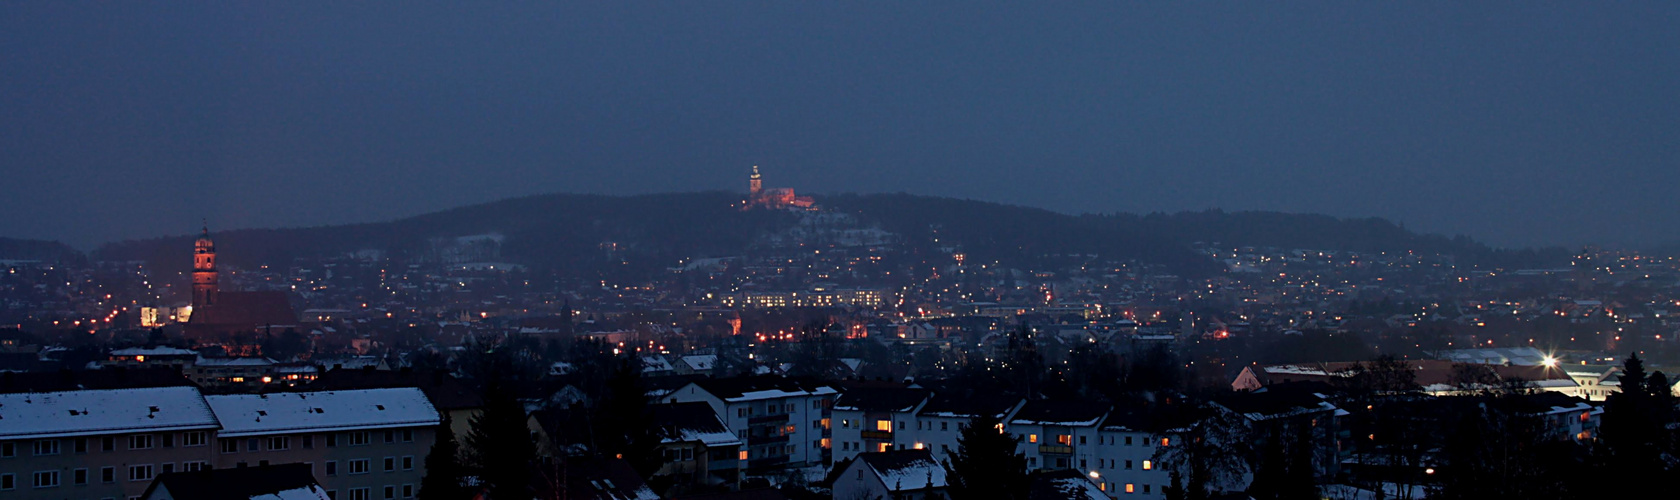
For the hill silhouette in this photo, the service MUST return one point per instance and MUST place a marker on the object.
(585, 234)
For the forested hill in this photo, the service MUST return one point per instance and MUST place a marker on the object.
(41, 250)
(646, 233)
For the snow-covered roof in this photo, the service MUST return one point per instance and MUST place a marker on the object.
(154, 351)
(110, 411)
(203, 361)
(906, 470)
(700, 362)
(259, 414)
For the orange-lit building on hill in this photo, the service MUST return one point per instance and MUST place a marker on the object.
(772, 198)
(216, 313)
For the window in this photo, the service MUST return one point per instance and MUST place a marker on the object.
(390, 464)
(359, 493)
(332, 440)
(743, 454)
(742, 412)
(108, 475)
(883, 425)
(193, 438)
(308, 441)
(942, 426)
(408, 464)
(408, 491)
(1130, 488)
(140, 442)
(408, 435)
(1081, 440)
(139, 473)
(390, 436)
(81, 445)
(279, 443)
(1146, 489)
(229, 445)
(1128, 440)
(1164, 441)
(390, 491)
(770, 409)
(79, 476)
(816, 404)
(1128, 465)
(332, 467)
(1147, 465)
(46, 479)
(168, 440)
(8, 450)
(332, 494)
(167, 468)
(1032, 438)
(901, 426)
(252, 444)
(360, 438)
(194, 466)
(359, 466)
(46, 447)
(1064, 439)
(8, 482)
(107, 444)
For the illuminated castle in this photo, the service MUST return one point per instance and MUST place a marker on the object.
(773, 198)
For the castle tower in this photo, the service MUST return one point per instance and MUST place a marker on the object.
(755, 184)
(204, 286)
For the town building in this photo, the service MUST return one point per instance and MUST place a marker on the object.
(274, 482)
(361, 444)
(782, 422)
(100, 443)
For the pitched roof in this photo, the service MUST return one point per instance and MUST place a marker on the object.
(111, 377)
(246, 309)
(905, 470)
(1063, 484)
(947, 404)
(111, 411)
(694, 421)
(1064, 412)
(886, 399)
(754, 388)
(446, 392)
(604, 479)
(272, 482)
(258, 414)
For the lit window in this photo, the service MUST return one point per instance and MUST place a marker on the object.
(1129, 488)
(1147, 465)
(1163, 441)
(1064, 439)
(743, 454)
(1032, 438)
(883, 425)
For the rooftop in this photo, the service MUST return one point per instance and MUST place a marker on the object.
(260, 414)
(109, 411)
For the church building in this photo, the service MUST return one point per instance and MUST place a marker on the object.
(216, 313)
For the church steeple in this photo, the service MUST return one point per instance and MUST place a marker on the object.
(204, 276)
(755, 183)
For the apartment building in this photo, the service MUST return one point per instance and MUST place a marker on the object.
(782, 422)
(100, 444)
(361, 444)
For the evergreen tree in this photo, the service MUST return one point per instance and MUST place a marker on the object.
(1631, 435)
(502, 447)
(444, 472)
(624, 426)
(986, 464)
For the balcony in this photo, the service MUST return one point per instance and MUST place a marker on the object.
(769, 439)
(1055, 449)
(887, 435)
(766, 419)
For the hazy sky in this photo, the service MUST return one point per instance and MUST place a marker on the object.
(1518, 123)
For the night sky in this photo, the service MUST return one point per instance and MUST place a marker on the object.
(1516, 123)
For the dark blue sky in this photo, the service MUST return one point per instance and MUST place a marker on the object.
(1518, 123)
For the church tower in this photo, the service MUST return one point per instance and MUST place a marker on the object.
(755, 184)
(204, 285)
